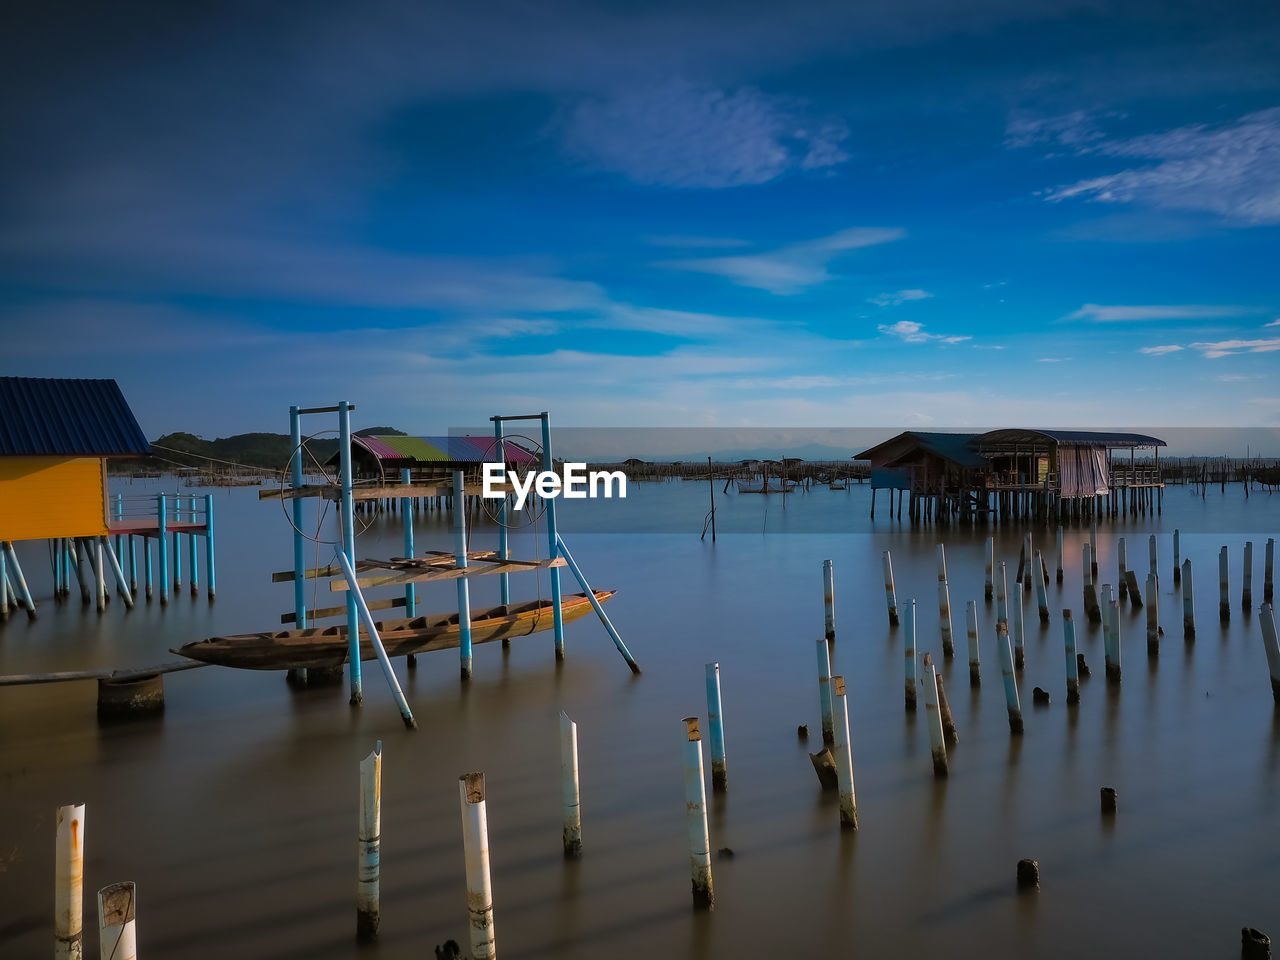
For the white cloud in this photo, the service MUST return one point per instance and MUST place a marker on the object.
(1052, 359)
(1232, 170)
(1074, 129)
(676, 134)
(1228, 348)
(694, 240)
(909, 331)
(1098, 313)
(898, 298)
(794, 268)
(1161, 350)
(1273, 323)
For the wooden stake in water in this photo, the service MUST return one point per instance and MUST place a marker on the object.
(1177, 557)
(715, 720)
(909, 658)
(1010, 684)
(942, 563)
(1002, 593)
(1153, 559)
(1030, 554)
(68, 883)
(890, 598)
(971, 615)
(569, 788)
(1113, 665)
(1018, 629)
(1268, 571)
(988, 585)
(1246, 592)
(1093, 550)
(1042, 589)
(475, 849)
(369, 847)
(1122, 567)
(844, 758)
(934, 717)
(1269, 643)
(1153, 616)
(695, 799)
(1090, 589)
(1188, 603)
(1073, 674)
(1059, 553)
(117, 922)
(829, 598)
(1224, 587)
(824, 692)
(944, 605)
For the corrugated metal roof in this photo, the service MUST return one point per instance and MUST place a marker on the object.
(956, 447)
(443, 449)
(1089, 438)
(67, 418)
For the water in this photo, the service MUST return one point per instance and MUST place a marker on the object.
(236, 812)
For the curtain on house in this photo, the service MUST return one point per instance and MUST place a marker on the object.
(1082, 471)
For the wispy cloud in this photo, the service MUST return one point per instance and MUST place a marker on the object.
(898, 298)
(1099, 313)
(909, 331)
(694, 240)
(1227, 348)
(1273, 323)
(1074, 130)
(794, 268)
(1052, 359)
(1161, 350)
(676, 134)
(1231, 170)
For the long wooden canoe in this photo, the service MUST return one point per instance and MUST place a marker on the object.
(327, 646)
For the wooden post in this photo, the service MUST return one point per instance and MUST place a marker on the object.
(715, 720)
(890, 598)
(572, 832)
(1177, 557)
(1153, 559)
(1224, 589)
(934, 718)
(844, 758)
(1112, 613)
(1188, 603)
(1042, 589)
(971, 614)
(824, 692)
(369, 847)
(1267, 616)
(1002, 593)
(1093, 550)
(1246, 592)
(829, 599)
(1059, 553)
(117, 922)
(1090, 590)
(1268, 572)
(1010, 683)
(909, 658)
(1073, 672)
(1122, 567)
(944, 605)
(475, 849)
(1019, 657)
(1153, 616)
(68, 876)
(695, 798)
(988, 585)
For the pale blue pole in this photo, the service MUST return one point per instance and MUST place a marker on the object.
(353, 591)
(133, 564)
(162, 539)
(595, 605)
(119, 516)
(464, 593)
(15, 573)
(504, 580)
(557, 615)
(715, 719)
(299, 560)
(829, 598)
(208, 543)
(191, 550)
(406, 510)
(147, 570)
(349, 545)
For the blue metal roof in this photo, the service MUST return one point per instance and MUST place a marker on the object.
(956, 447)
(67, 418)
(1085, 438)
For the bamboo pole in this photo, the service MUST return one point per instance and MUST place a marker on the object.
(695, 797)
(475, 848)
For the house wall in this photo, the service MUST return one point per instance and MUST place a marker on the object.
(52, 497)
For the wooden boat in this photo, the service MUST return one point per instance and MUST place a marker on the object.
(327, 646)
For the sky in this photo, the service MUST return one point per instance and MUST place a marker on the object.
(912, 213)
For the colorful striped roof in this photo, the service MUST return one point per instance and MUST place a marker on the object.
(67, 418)
(443, 449)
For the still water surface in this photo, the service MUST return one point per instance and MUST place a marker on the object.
(235, 813)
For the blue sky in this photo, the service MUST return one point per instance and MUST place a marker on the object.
(940, 213)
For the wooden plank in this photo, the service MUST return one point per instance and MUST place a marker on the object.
(447, 573)
(135, 673)
(365, 566)
(324, 612)
(330, 491)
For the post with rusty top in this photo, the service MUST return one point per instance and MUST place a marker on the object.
(369, 847)
(1042, 589)
(829, 598)
(572, 832)
(1059, 553)
(68, 883)
(1073, 673)
(1090, 589)
(890, 597)
(1019, 629)
(909, 659)
(1268, 571)
(1010, 683)
(1188, 603)
(1177, 557)
(844, 759)
(475, 849)
(971, 615)
(1224, 587)
(988, 587)
(1153, 616)
(1122, 569)
(824, 693)
(1246, 593)
(934, 717)
(117, 922)
(695, 803)
(715, 720)
(1269, 643)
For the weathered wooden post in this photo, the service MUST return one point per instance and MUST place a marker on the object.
(1153, 616)
(475, 849)
(369, 847)
(909, 659)
(117, 922)
(1224, 587)
(971, 615)
(844, 758)
(828, 598)
(824, 692)
(1122, 568)
(1246, 592)
(1073, 674)
(890, 597)
(1153, 559)
(1268, 571)
(695, 799)
(715, 720)
(1177, 557)
(68, 877)
(572, 832)
(1090, 590)
(1093, 550)
(1042, 589)
(1002, 593)
(1267, 616)
(1029, 553)
(1059, 553)
(944, 605)
(1019, 657)
(1010, 684)
(988, 585)
(934, 717)
(1113, 667)
(1188, 603)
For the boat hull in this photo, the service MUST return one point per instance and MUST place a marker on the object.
(327, 646)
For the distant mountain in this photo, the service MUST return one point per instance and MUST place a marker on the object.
(269, 451)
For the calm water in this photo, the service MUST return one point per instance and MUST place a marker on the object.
(235, 813)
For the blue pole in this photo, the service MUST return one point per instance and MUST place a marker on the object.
(406, 510)
(464, 593)
(208, 542)
(133, 564)
(349, 544)
(299, 568)
(177, 546)
(162, 561)
(548, 463)
(191, 550)
(146, 569)
(57, 569)
(504, 580)
(119, 516)
(353, 590)
(715, 720)
(595, 605)
(15, 574)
